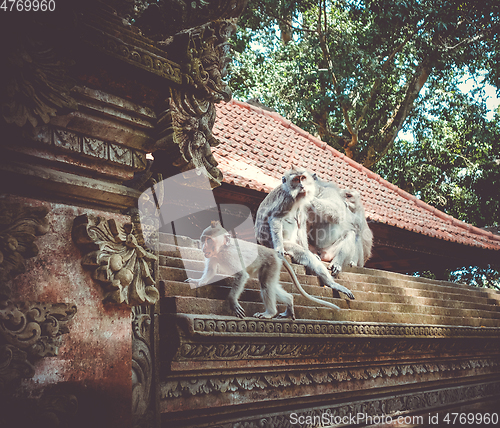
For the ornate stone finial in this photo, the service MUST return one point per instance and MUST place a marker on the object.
(184, 129)
(118, 259)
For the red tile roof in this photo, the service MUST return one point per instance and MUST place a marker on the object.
(258, 146)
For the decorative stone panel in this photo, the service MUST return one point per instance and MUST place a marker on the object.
(115, 254)
(28, 331)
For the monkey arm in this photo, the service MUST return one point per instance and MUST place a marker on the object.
(240, 280)
(276, 228)
(329, 210)
(209, 272)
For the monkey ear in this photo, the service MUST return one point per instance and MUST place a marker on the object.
(215, 223)
(315, 176)
(283, 179)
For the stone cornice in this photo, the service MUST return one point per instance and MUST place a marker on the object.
(211, 325)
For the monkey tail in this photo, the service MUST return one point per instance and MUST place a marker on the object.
(302, 291)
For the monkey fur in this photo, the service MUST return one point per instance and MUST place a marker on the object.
(337, 227)
(281, 223)
(222, 251)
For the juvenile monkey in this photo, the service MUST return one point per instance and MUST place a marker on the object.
(338, 230)
(281, 223)
(222, 251)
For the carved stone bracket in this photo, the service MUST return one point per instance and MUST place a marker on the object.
(115, 253)
(28, 331)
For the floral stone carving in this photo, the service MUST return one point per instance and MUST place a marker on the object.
(120, 263)
(28, 331)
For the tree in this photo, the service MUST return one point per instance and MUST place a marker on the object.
(377, 57)
(357, 74)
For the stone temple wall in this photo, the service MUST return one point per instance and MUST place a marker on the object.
(97, 327)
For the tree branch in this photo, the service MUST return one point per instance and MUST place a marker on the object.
(478, 37)
(378, 80)
(282, 20)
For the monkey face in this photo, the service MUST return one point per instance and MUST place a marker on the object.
(352, 198)
(213, 239)
(303, 185)
(211, 245)
(300, 183)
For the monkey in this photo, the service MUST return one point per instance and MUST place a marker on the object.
(337, 227)
(281, 223)
(223, 251)
(364, 235)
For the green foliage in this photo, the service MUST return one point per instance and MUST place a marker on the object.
(358, 73)
(377, 54)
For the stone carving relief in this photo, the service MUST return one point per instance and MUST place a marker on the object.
(142, 368)
(223, 384)
(28, 331)
(186, 120)
(389, 406)
(115, 253)
(36, 86)
(299, 339)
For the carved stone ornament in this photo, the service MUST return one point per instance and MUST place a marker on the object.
(120, 263)
(36, 85)
(142, 368)
(28, 331)
(393, 406)
(235, 340)
(248, 382)
(185, 123)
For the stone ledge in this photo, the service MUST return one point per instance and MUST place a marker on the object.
(213, 325)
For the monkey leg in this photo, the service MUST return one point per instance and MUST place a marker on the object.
(343, 253)
(239, 285)
(269, 299)
(268, 278)
(287, 299)
(305, 257)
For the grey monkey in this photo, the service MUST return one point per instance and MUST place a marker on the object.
(281, 223)
(337, 227)
(245, 258)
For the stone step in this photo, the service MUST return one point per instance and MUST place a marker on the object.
(381, 296)
(172, 240)
(199, 305)
(401, 276)
(400, 289)
(409, 282)
(173, 288)
(172, 257)
(221, 290)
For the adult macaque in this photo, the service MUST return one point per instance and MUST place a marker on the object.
(337, 226)
(281, 223)
(223, 252)
(364, 236)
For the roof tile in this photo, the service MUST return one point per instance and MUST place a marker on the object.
(269, 144)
